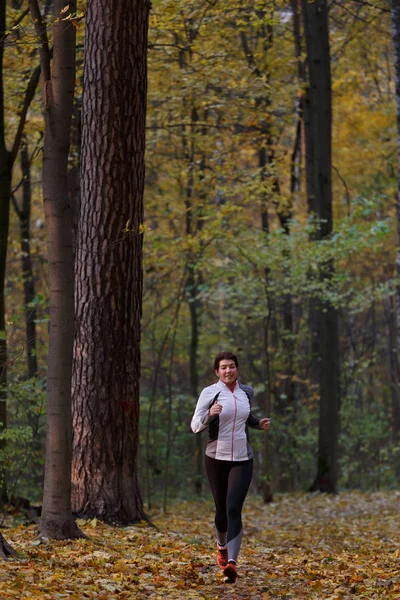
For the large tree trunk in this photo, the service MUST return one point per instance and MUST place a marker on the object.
(318, 124)
(109, 263)
(395, 12)
(58, 92)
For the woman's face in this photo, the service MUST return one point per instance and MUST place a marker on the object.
(227, 371)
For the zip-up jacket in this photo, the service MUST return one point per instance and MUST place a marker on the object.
(228, 437)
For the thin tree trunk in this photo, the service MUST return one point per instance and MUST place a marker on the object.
(395, 13)
(319, 192)
(27, 269)
(295, 171)
(193, 226)
(58, 90)
(391, 315)
(5, 191)
(168, 449)
(109, 263)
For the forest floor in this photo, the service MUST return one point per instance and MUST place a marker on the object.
(300, 546)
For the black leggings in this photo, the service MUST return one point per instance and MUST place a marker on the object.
(230, 482)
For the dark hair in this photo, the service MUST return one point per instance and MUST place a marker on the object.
(224, 356)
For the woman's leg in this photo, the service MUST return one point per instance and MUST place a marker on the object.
(238, 485)
(218, 474)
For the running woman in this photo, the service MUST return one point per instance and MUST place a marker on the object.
(225, 408)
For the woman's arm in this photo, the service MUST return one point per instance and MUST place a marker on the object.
(252, 421)
(202, 416)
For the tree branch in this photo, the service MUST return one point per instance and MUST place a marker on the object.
(20, 18)
(29, 94)
(16, 207)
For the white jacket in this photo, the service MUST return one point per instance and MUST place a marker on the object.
(228, 438)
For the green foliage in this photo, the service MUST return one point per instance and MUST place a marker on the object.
(22, 454)
(155, 421)
(15, 443)
(367, 451)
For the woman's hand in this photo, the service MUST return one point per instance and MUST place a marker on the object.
(265, 424)
(215, 409)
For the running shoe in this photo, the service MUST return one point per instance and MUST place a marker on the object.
(222, 557)
(230, 573)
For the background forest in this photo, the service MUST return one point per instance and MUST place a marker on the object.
(236, 255)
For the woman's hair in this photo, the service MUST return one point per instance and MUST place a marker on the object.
(224, 356)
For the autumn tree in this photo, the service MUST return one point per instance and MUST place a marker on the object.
(58, 81)
(109, 263)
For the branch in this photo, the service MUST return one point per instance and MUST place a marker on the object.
(178, 46)
(16, 207)
(347, 191)
(249, 55)
(29, 94)
(20, 19)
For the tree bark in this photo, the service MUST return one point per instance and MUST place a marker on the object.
(109, 263)
(319, 191)
(58, 90)
(395, 14)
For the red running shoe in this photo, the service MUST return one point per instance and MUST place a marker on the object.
(230, 573)
(222, 557)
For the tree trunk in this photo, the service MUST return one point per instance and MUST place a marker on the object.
(109, 263)
(5, 191)
(193, 227)
(194, 310)
(318, 124)
(5, 549)
(58, 90)
(27, 270)
(393, 360)
(395, 13)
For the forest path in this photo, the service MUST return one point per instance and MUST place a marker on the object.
(299, 547)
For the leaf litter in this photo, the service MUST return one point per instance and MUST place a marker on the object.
(300, 546)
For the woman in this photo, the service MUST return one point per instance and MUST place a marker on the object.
(225, 408)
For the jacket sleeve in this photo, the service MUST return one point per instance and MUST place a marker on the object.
(201, 417)
(252, 421)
